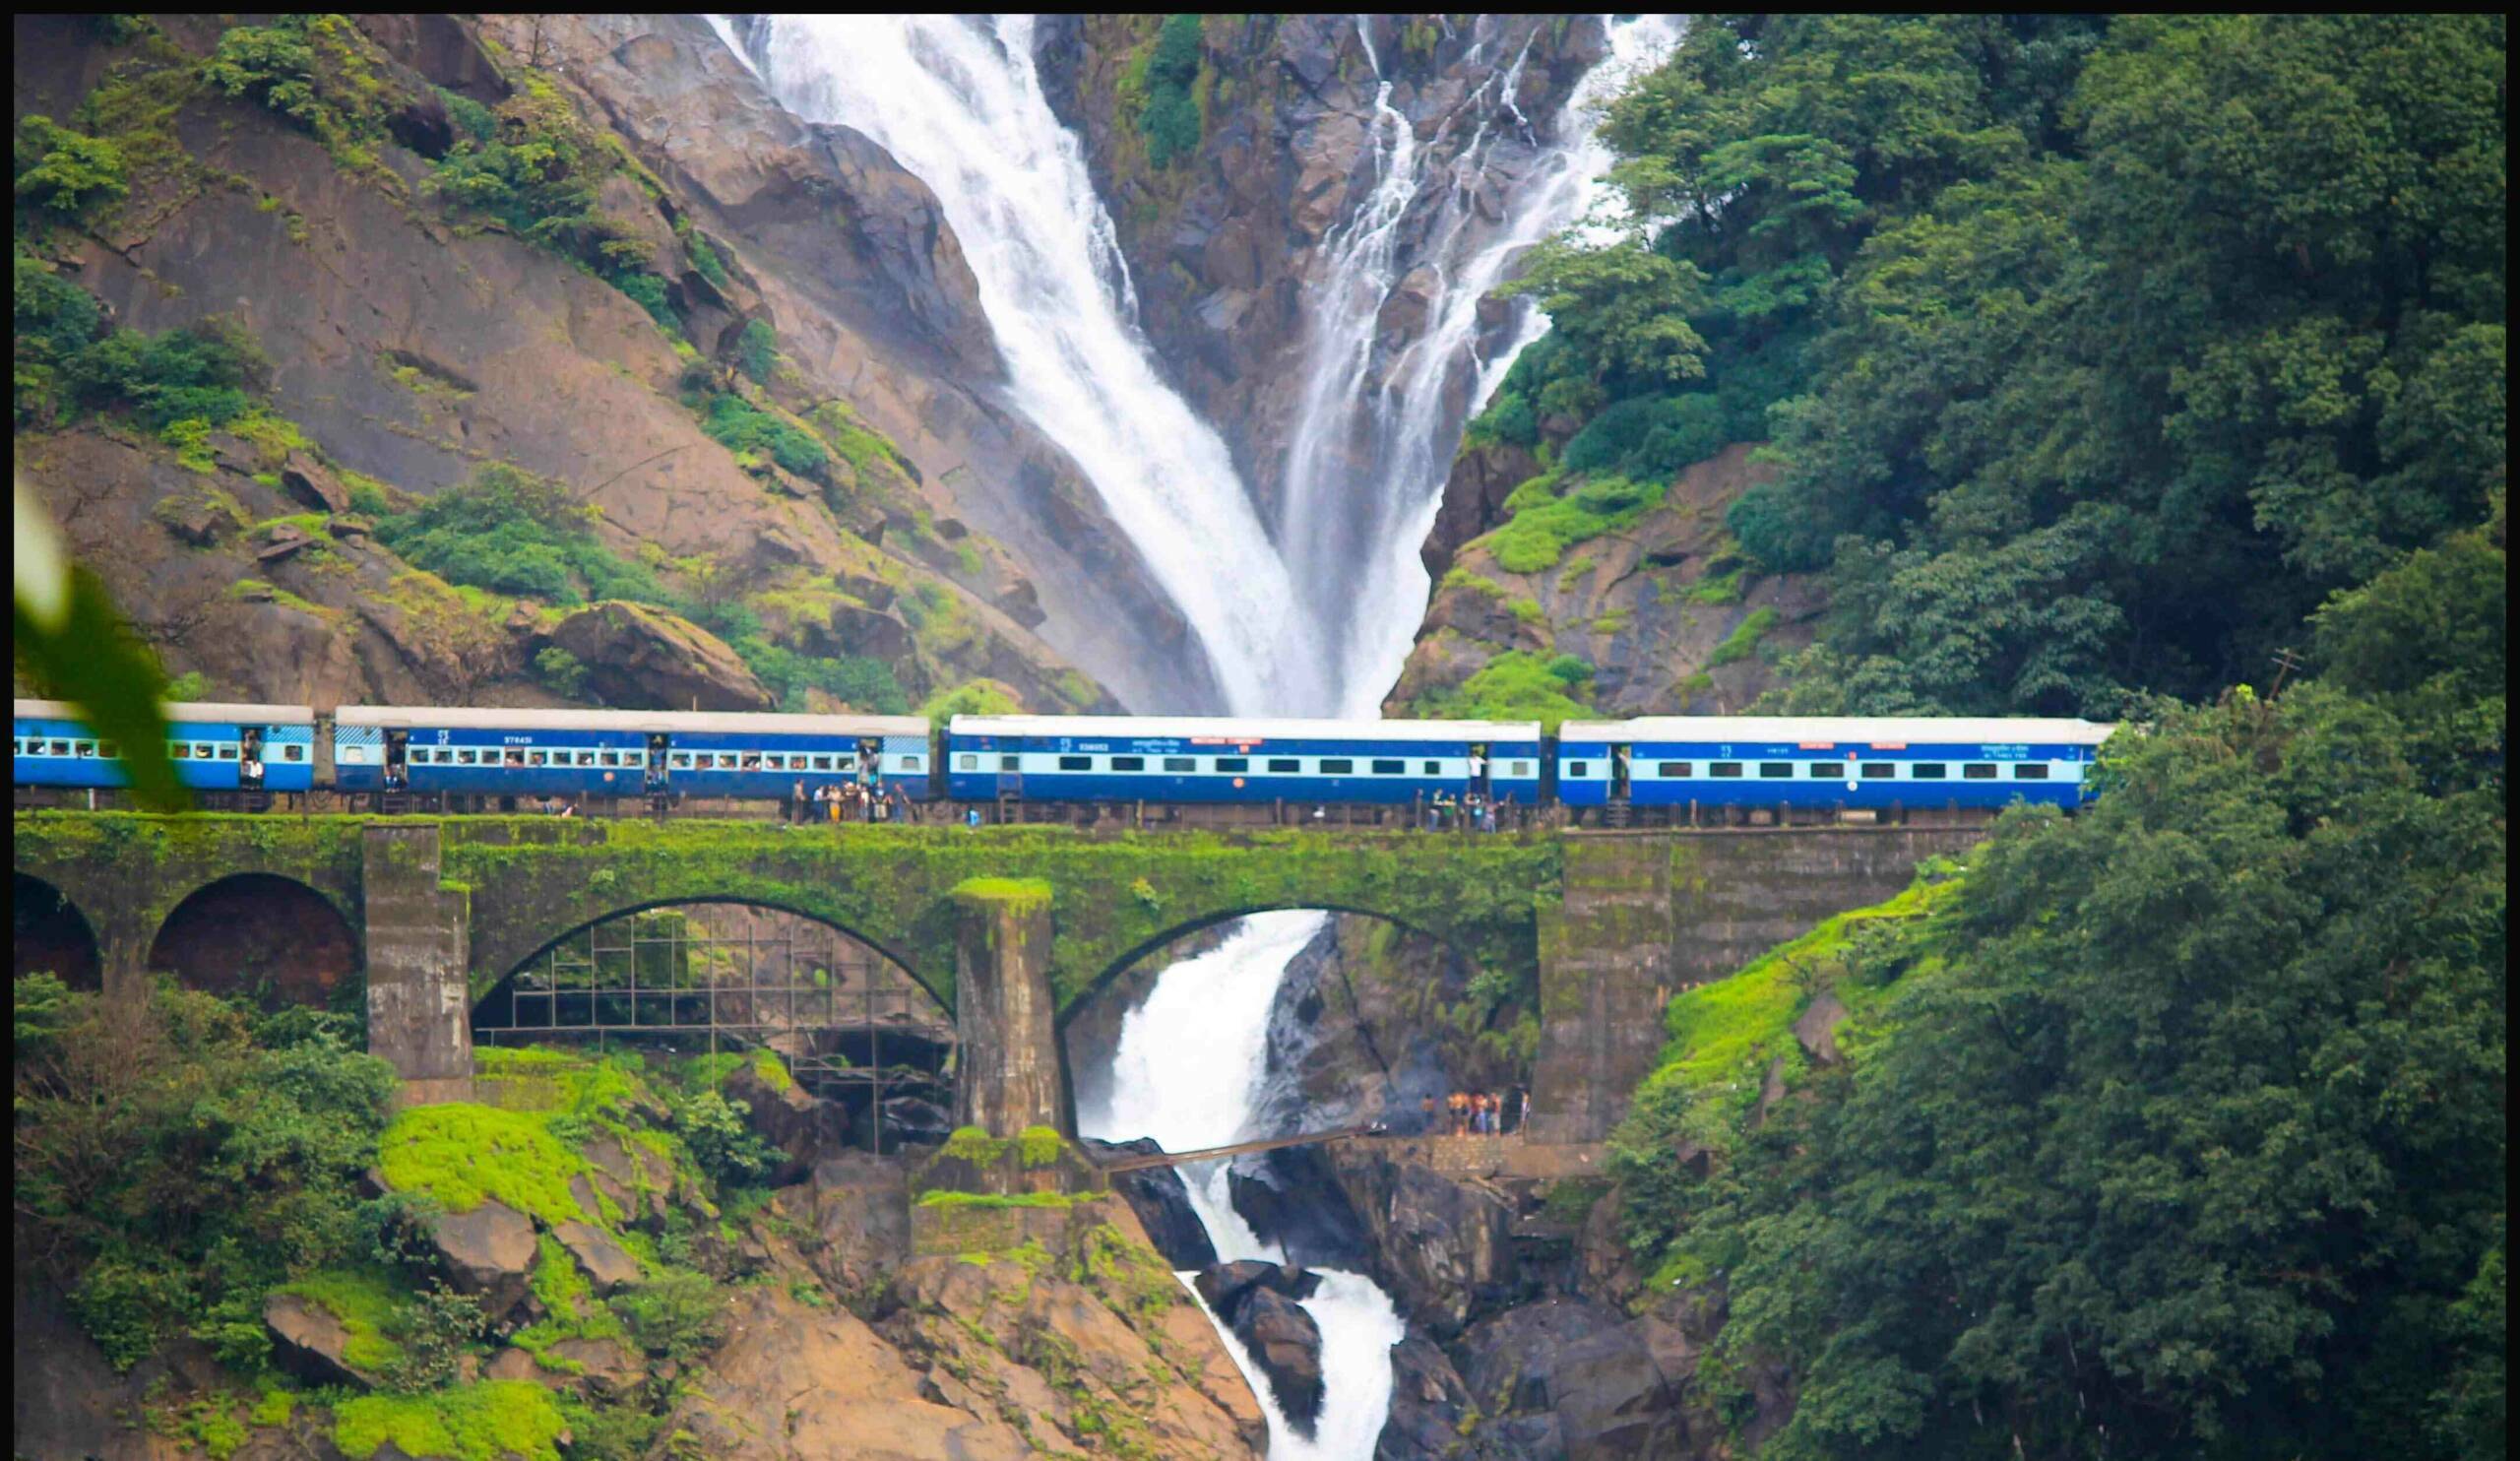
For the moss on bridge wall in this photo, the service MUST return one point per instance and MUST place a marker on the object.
(125, 871)
(1112, 897)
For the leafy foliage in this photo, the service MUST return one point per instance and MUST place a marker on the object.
(1169, 118)
(741, 427)
(712, 1128)
(979, 697)
(67, 172)
(1517, 684)
(2062, 327)
(2186, 1120)
(181, 1169)
(512, 532)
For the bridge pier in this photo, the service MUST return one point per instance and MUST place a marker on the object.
(1007, 1057)
(419, 1009)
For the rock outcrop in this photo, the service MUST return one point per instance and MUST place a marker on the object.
(1666, 612)
(1602, 1387)
(311, 1342)
(1442, 1247)
(1260, 1303)
(487, 1252)
(643, 659)
(1161, 1204)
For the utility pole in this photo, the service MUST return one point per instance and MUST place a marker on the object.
(2286, 662)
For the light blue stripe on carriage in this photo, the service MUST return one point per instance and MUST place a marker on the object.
(905, 746)
(359, 736)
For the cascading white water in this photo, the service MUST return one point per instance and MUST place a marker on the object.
(1187, 1072)
(1374, 441)
(958, 103)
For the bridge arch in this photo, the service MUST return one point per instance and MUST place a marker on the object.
(265, 934)
(485, 982)
(50, 934)
(1207, 919)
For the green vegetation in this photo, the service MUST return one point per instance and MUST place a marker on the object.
(977, 697)
(1169, 118)
(2182, 1116)
(1744, 638)
(2060, 327)
(185, 1156)
(1517, 684)
(460, 1155)
(1541, 531)
(64, 172)
(744, 427)
(365, 1300)
(538, 170)
(315, 70)
(991, 1200)
(484, 1422)
(757, 350)
(512, 532)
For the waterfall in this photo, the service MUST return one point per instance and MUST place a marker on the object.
(1375, 439)
(958, 103)
(1188, 1073)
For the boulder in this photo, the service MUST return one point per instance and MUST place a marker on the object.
(861, 1204)
(200, 521)
(1226, 1285)
(640, 657)
(1162, 1203)
(609, 1265)
(489, 1251)
(310, 1343)
(1286, 1344)
(1817, 1028)
(313, 484)
(787, 1116)
(1612, 1387)
(1443, 1247)
(1428, 1403)
(607, 1369)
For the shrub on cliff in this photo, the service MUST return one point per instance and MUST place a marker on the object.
(178, 1159)
(1169, 118)
(67, 172)
(512, 532)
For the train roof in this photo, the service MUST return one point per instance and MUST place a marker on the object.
(642, 721)
(1925, 730)
(183, 712)
(1237, 728)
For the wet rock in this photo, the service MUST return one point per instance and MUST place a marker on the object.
(1161, 1202)
(1609, 1384)
(489, 1251)
(639, 657)
(609, 1265)
(910, 1120)
(1428, 1403)
(1443, 1247)
(1286, 1344)
(1225, 1286)
(1291, 1197)
(310, 1343)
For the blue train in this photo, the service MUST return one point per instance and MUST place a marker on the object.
(1652, 769)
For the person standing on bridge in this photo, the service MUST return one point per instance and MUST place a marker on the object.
(1427, 1114)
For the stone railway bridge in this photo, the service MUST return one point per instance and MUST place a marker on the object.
(1009, 928)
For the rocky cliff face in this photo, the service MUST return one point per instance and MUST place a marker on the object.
(1226, 245)
(1665, 611)
(409, 342)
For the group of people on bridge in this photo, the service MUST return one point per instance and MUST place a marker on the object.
(1476, 1112)
(1472, 812)
(864, 799)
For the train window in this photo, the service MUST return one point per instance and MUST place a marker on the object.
(1979, 771)
(1724, 768)
(1829, 771)
(227, 753)
(1520, 768)
(1432, 768)
(967, 763)
(2030, 771)
(83, 748)
(112, 750)
(1673, 768)
(1284, 764)
(534, 758)
(611, 758)
(1928, 771)
(1337, 767)
(464, 756)
(61, 748)
(634, 758)
(1128, 763)
(1010, 763)
(912, 763)
(291, 752)
(1770, 769)
(678, 760)
(1180, 763)
(183, 750)
(1883, 770)
(1391, 768)
(1579, 768)
(1076, 763)
(1237, 764)
(822, 763)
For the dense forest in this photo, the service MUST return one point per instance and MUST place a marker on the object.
(2094, 354)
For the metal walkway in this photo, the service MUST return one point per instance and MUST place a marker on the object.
(1137, 1163)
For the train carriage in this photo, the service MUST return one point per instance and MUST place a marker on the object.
(216, 746)
(1826, 761)
(572, 753)
(1225, 759)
